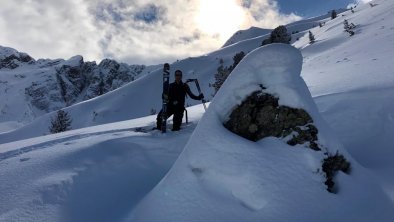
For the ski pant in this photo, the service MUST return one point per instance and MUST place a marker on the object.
(177, 111)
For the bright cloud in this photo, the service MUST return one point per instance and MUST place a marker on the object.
(136, 32)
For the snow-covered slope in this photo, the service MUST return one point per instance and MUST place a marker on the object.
(92, 174)
(241, 35)
(337, 62)
(227, 178)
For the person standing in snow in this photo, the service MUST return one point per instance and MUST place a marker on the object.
(176, 104)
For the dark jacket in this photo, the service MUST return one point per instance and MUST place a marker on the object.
(177, 93)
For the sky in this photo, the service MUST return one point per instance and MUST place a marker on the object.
(140, 31)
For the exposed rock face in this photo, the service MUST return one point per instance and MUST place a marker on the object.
(59, 83)
(109, 75)
(261, 116)
(12, 59)
(46, 96)
(74, 80)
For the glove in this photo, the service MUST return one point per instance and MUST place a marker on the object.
(164, 96)
(201, 96)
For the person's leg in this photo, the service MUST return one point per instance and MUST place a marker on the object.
(159, 120)
(170, 111)
(178, 115)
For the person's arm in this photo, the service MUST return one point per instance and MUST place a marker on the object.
(189, 92)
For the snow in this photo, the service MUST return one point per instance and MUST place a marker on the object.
(248, 80)
(92, 174)
(241, 35)
(6, 52)
(74, 61)
(365, 124)
(228, 178)
(104, 170)
(9, 126)
(340, 58)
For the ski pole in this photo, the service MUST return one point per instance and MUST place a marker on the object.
(187, 119)
(199, 91)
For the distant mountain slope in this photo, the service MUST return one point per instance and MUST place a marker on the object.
(252, 32)
(31, 88)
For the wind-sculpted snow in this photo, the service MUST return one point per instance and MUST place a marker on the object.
(92, 174)
(220, 176)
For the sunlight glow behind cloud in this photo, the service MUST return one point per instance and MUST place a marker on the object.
(136, 32)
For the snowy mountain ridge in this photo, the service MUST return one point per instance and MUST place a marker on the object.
(41, 86)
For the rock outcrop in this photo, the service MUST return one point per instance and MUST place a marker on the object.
(74, 80)
(11, 59)
(261, 116)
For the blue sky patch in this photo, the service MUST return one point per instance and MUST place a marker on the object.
(150, 14)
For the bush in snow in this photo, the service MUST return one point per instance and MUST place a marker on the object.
(223, 72)
(333, 14)
(372, 5)
(61, 122)
(278, 35)
(348, 27)
(311, 38)
(331, 165)
(220, 76)
(237, 58)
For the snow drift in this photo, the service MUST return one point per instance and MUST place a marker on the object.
(221, 176)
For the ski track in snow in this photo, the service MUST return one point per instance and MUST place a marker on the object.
(47, 144)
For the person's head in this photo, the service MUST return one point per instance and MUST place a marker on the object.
(178, 75)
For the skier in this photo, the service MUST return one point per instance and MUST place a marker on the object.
(176, 104)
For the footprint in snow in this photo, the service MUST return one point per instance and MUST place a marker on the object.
(24, 159)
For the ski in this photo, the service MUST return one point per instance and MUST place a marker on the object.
(166, 80)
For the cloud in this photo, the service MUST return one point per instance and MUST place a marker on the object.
(48, 28)
(136, 32)
(265, 13)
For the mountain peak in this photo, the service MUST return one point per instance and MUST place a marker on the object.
(11, 58)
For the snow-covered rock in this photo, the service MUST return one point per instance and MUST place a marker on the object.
(42, 86)
(220, 176)
(11, 59)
